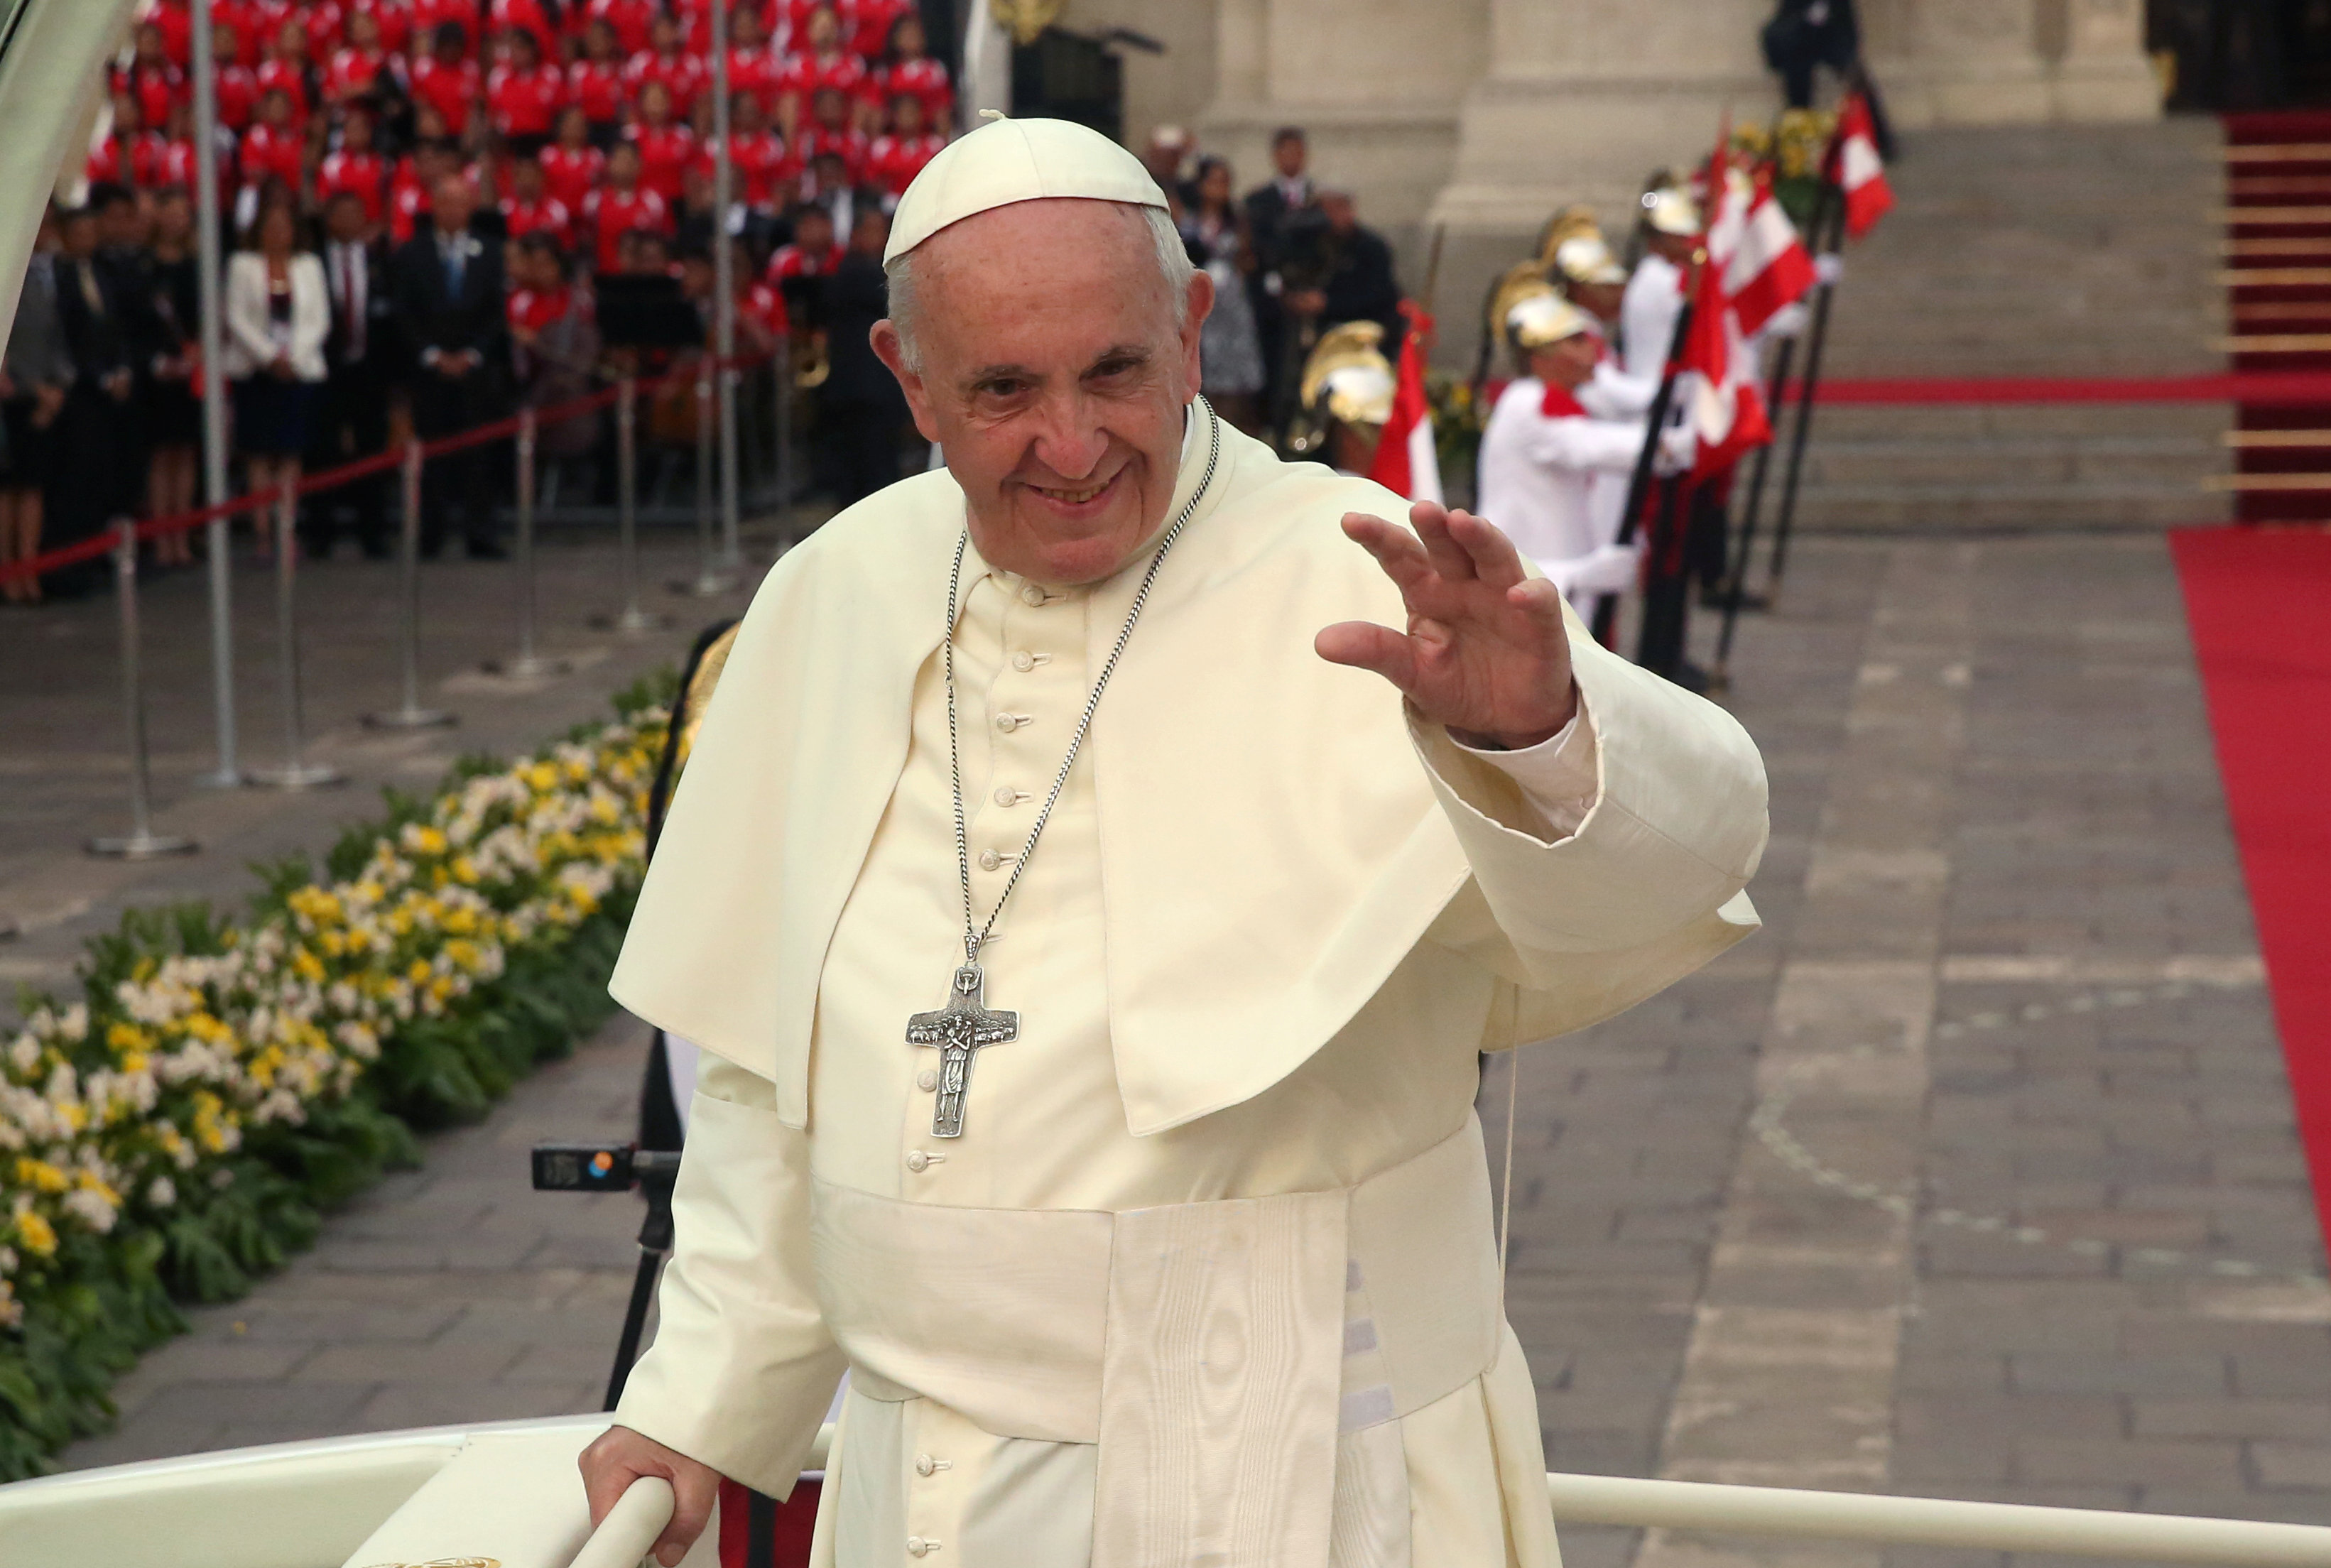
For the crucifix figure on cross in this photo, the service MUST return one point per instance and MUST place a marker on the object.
(957, 1031)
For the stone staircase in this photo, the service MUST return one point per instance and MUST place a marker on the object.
(2046, 251)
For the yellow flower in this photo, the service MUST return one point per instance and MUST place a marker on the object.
(125, 1036)
(307, 964)
(134, 1061)
(542, 777)
(40, 1175)
(40, 1238)
(465, 869)
(418, 971)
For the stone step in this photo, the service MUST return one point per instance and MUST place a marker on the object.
(1976, 423)
(1855, 508)
(2176, 462)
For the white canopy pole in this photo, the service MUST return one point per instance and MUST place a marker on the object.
(207, 269)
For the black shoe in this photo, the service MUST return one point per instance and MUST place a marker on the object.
(487, 550)
(1690, 676)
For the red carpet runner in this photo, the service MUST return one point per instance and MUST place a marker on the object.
(2260, 604)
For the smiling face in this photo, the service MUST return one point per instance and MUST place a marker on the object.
(1054, 379)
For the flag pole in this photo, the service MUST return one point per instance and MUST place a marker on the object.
(1834, 207)
(1605, 619)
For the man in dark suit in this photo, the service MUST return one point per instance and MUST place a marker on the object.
(447, 283)
(358, 356)
(96, 477)
(862, 413)
(1273, 209)
(1271, 204)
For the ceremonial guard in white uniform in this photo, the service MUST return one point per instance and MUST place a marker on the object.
(1553, 474)
(1654, 295)
(1345, 396)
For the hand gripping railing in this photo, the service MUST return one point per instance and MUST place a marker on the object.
(1862, 1518)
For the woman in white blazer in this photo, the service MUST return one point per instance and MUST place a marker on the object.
(277, 317)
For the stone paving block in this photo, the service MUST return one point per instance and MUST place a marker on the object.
(303, 1405)
(419, 1404)
(2304, 1466)
(2073, 1372)
(448, 1359)
(2194, 1463)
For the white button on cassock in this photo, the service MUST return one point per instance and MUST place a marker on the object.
(1006, 796)
(917, 1546)
(989, 859)
(1033, 593)
(919, 1162)
(923, 1465)
(1008, 722)
(926, 1080)
(1024, 661)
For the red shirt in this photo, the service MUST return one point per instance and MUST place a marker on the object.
(524, 102)
(428, 14)
(682, 76)
(155, 89)
(550, 214)
(396, 19)
(176, 18)
(805, 74)
(925, 80)
(793, 261)
(765, 304)
(449, 91)
(291, 77)
(365, 173)
(353, 72)
(893, 161)
(178, 166)
(615, 213)
(633, 20)
(408, 203)
(325, 23)
(503, 15)
(851, 144)
(761, 162)
(238, 93)
(754, 70)
(598, 88)
(136, 160)
(665, 152)
(795, 16)
(246, 21)
(267, 151)
(535, 310)
(571, 175)
(875, 20)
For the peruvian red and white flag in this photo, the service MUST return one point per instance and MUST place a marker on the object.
(1727, 410)
(1769, 268)
(1855, 166)
(1407, 460)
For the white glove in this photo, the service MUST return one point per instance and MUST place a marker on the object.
(1829, 267)
(1604, 569)
(1788, 321)
(1678, 445)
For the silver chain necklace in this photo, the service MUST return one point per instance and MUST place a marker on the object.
(966, 1024)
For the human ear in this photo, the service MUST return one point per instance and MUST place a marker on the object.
(888, 349)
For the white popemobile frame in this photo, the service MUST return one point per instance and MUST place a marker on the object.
(510, 1491)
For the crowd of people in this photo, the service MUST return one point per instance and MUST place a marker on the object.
(430, 200)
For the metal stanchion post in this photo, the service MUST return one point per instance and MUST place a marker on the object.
(631, 620)
(210, 335)
(141, 842)
(529, 665)
(732, 547)
(411, 715)
(297, 772)
(710, 579)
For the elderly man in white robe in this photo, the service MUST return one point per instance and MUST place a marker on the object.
(1217, 822)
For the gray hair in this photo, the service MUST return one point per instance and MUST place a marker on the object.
(1173, 264)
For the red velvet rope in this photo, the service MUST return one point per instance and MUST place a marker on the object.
(104, 544)
(2283, 387)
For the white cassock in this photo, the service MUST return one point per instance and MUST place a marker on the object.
(1554, 477)
(1210, 1276)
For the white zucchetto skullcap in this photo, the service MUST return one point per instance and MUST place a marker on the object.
(1016, 160)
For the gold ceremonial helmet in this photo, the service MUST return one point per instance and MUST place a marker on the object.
(1670, 211)
(1347, 377)
(1567, 224)
(1522, 280)
(1536, 320)
(1587, 259)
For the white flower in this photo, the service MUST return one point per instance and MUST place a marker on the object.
(161, 1193)
(24, 1052)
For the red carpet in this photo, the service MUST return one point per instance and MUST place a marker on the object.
(2278, 251)
(2260, 604)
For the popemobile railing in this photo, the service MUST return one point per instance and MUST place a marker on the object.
(1861, 1518)
(296, 770)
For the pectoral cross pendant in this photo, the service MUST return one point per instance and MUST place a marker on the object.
(958, 1030)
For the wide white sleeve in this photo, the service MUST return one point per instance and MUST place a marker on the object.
(1574, 442)
(742, 1370)
(1670, 834)
(1612, 394)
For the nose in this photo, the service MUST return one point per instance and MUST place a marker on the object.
(1069, 439)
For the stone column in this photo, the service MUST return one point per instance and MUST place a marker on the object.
(2102, 73)
(1958, 61)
